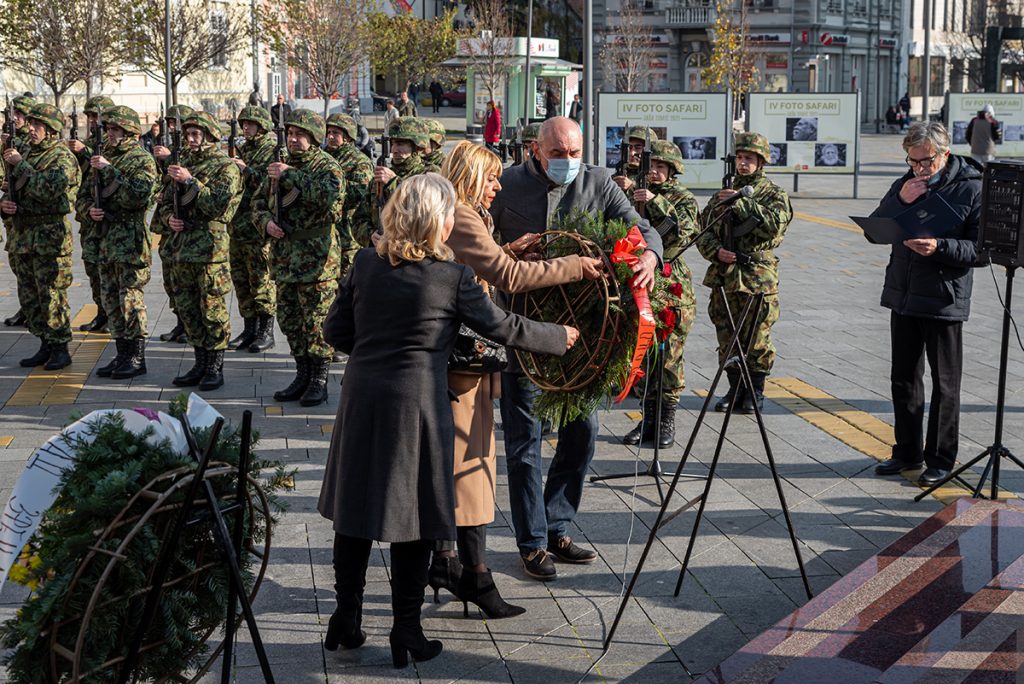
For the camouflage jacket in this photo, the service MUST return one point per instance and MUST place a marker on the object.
(356, 224)
(47, 179)
(434, 160)
(413, 165)
(257, 154)
(312, 199)
(85, 188)
(208, 202)
(770, 212)
(156, 225)
(129, 185)
(673, 213)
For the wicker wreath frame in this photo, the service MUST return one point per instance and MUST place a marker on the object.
(164, 511)
(576, 370)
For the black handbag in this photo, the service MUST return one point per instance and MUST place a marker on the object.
(474, 353)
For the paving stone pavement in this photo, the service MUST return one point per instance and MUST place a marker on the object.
(743, 576)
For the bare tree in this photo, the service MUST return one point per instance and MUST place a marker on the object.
(62, 43)
(626, 51)
(325, 39)
(491, 48)
(202, 36)
(967, 41)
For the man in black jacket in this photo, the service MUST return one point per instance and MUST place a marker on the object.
(928, 290)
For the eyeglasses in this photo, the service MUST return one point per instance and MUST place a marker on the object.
(927, 161)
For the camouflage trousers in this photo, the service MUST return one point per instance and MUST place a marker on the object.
(165, 268)
(200, 298)
(91, 260)
(92, 272)
(301, 311)
(43, 282)
(250, 274)
(672, 383)
(347, 257)
(761, 357)
(122, 285)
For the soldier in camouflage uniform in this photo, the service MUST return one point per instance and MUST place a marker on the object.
(437, 140)
(672, 211)
(87, 234)
(158, 227)
(529, 138)
(356, 225)
(410, 142)
(210, 187)
(250, 246)
(637, 136)
(21, 105)
(128, 177)
(745, 264)
(305, 249)
(39, 242)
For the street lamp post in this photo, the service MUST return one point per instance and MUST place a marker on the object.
(588, 82)
(526, 68)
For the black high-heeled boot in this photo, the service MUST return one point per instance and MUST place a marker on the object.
(408, 580)
(479, 589)
(351, 556)
(445, 573)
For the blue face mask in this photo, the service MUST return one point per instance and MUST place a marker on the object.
(563, 171)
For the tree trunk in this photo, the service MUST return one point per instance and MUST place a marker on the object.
(88, 89)
(327, 101)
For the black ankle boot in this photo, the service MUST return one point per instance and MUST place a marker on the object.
(444, 573)
(409, 641)
(134, 362)
(247, 335)
(196, 373)
(316, 390)
(59, 357)
(644, 430)
(97, 324)
(299, 384)
(722, 405)
(667, 425)
(17, 320)
(479, 589)
(756, 397)
(123, 349)
(174, 333)
(213, 376)
(344, 630)
(264, 337)
(39, 358)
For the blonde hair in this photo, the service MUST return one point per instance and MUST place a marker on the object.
(413, 220)
(467, 167)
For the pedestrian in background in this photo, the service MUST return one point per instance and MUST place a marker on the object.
(576, 110)
(436, 92)
(390, 113)
(406, 107)
(492, 126)
(983, 133)
(151, 137)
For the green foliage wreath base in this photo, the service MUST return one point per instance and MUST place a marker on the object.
(109, 472)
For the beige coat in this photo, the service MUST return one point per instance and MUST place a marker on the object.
(474, 245)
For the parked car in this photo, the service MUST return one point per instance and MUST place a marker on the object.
(379, 101)
(454, 97)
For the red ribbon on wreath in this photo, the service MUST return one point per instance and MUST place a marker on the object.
(627, 251)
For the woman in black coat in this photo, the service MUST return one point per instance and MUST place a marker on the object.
(389, 474)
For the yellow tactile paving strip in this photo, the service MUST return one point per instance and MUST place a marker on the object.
(6, 440)
(49, 388)
(842, 225)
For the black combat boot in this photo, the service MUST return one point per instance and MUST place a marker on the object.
(135, 360)
(97, 324)
(214, 375)
(667, 424)
(17, 320)
(646, 425)
(247, 335)
(196, 373)
(316, 391)
(39, 358)
(59, 357)
(722, 405)
(123, 350)
(264, 338)
(175, 334)
(757, 379)
(299, 384)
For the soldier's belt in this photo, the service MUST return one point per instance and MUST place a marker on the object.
(309, 233)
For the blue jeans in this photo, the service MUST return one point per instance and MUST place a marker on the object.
(534, 518)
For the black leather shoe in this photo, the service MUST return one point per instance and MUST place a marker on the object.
(16, 320)
(564, 550)
(932, 476)
(134, 361)
(213, 377)
(263, 336)
(192, 377)
(894, 466)
(174, 334)
(667, 428)
(97, 324)
(539, 565)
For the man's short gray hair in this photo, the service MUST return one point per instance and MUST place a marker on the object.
(927, 132)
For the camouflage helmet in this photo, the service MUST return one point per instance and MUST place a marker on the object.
(204, 122)
(122, 117)
(179, 111)
(24, 104)
(531, 133)
(49, 115)
(754, 142)
(258, 115)
(437, 131)
(641, 133)
(411, 129)
(96, 103)
(344, 122)
(308, 121)
(668, 152)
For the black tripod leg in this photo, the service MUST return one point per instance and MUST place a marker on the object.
(954, 475)
(241, 496)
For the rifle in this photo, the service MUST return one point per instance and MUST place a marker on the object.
(732, 232)
(645, 168)
(97, 182)
(620, 168)
(73, 134)
(11, 131)
(234, 132)
(383, 160)
(279, 148)
(175, 161)
(163, 134)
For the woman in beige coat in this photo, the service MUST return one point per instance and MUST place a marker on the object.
(474, 171)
